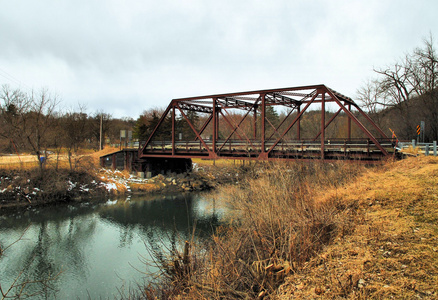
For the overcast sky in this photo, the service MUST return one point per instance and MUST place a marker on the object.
(125, 56)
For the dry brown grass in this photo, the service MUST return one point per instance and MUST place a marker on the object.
(392, 253)
(85, 159)
(276, 228)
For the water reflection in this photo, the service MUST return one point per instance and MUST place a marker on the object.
(97, 246)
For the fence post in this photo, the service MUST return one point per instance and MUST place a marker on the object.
(434, 148)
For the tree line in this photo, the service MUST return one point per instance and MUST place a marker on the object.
(33, 122)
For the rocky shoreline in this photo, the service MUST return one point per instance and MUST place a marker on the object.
(20, 189)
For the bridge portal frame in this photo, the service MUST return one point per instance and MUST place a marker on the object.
(299, 99)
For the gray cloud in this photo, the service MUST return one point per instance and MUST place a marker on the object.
(126, 56)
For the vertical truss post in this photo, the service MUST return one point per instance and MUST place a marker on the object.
(298, 123)
(322, 124)
(255, 122)
(173, 130)
(263, 124)
(215, 124)
(349, 123)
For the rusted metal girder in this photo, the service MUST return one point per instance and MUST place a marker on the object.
(221, 134)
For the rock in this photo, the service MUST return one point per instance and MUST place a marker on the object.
(197, 185)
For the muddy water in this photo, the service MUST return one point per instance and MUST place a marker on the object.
(98, 250)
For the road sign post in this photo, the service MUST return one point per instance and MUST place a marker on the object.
(422, 127)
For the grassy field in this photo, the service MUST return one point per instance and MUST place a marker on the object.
(27, 161)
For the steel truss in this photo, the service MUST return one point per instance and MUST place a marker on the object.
(262, 146)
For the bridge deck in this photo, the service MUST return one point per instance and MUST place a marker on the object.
(333, 149)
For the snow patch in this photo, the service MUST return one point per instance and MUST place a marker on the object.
(71, 186)
(109, 202)
(109, 186)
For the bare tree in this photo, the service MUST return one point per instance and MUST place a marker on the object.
(74, 125)
(371, 96)
(28, 119)
(13, 106)
(404, 87)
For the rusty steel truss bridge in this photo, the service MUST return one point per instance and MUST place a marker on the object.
(243, 126)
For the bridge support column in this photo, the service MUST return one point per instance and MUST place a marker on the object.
(298, 123)
(263, 150)
(349, 123)
(255, 122)
(173, 130)
(215, 125)
(322, 124)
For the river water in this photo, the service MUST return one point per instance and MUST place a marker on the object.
(98, 248)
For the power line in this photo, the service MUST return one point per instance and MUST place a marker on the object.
(13, 79)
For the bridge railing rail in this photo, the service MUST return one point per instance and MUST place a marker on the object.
(418, 148)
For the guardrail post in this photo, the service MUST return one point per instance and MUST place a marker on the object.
(426, 150)
(434, 148)
(413, 143)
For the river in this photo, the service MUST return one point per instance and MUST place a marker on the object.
(98, 249)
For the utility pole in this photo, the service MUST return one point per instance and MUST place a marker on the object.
(101, 131)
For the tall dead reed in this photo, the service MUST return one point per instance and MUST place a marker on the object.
(275, 225)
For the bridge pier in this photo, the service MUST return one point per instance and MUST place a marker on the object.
(127, 159)
(158, 165)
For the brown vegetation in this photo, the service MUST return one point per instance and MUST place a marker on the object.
(317, 231)
(277, 227)
(392, 252)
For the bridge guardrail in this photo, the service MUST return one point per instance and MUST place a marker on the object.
(253, 147)
(421, 148)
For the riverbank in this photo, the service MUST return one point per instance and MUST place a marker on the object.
(24, 188)
(318, 231)
(392, 250)
(21, 187)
